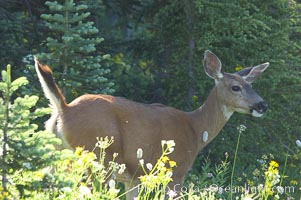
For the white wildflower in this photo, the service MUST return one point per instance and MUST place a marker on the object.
(66, 189)
(163, 142)
(171, 149)
(209, 175)
(169, 174)
(161, 164)
(241, 128)
(115, 155)
(141, 161)
(170, 143)
(27, 165)
(171, 194)
(104, 143)
(112, 183)
(84, 190)
(139, 153)
(122, 168)
(149, 166)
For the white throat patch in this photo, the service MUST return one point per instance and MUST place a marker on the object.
(205, 136)
(227, 112)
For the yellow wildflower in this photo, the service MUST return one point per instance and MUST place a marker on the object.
(78, 151)
(172, 163)
(88, 157)
(4, 195)
(238, 67)
(165, 159)
(274, 164)
(39, 174)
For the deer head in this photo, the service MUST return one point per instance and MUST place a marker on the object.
(235, 90)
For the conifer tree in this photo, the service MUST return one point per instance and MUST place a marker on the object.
(22, 147)
(73, 50)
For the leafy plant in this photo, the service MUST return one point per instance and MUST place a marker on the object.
(23, 149)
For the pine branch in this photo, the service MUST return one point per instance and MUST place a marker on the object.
(5, 128)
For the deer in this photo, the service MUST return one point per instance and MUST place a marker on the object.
(136, 125)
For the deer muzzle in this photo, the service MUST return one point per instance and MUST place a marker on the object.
(259, 108)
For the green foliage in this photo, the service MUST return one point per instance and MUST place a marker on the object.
(265, 182)
(135, 79)
(71, 180)
(210, 175)
(15, 41)
(23, 148)
(31, 168)
(157, 49)
(73, 50)
(268, 188)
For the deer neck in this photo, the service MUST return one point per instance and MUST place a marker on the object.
(209, 119)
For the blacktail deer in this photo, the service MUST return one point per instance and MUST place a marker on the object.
(135, 125)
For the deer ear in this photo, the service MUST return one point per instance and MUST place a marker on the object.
(250, 73)
(212, 65)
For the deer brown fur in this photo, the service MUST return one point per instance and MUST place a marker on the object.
(135, 125)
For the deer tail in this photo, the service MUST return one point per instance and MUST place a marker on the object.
(50, 88)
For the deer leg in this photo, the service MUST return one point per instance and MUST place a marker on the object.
(132, 192)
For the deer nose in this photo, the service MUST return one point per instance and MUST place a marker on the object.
(262, 106)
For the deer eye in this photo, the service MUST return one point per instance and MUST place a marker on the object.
(235, 88)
